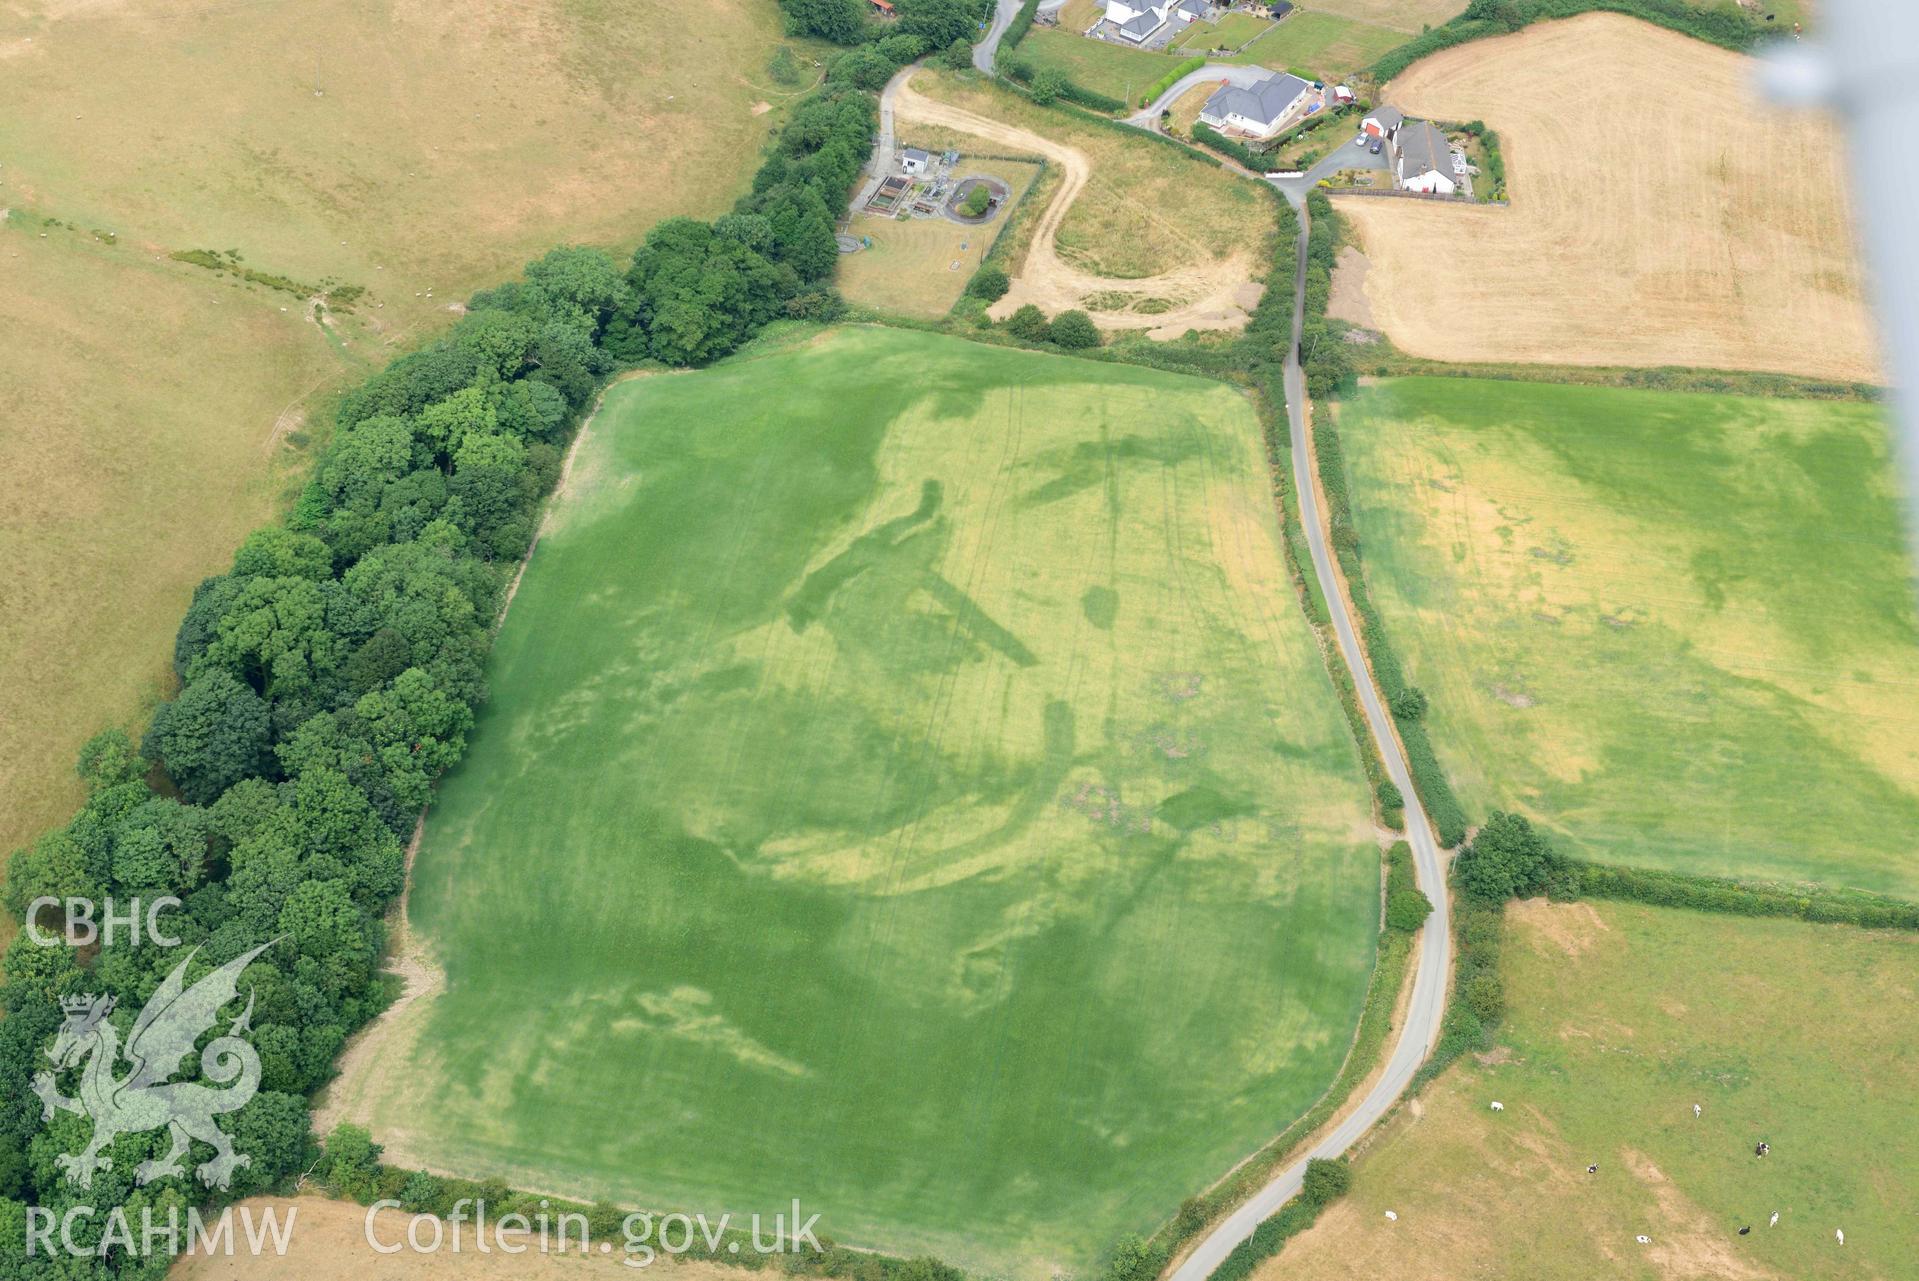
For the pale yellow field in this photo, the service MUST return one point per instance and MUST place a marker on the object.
(417, 150)
(1660, 215)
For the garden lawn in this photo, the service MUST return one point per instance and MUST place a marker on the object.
(911, 786)
(1676, 629)
(1329, 46)
(1795, 1034)
(1099, 65)
(1230, 32)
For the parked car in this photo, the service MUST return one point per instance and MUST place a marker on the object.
(1360, 141)
(1375, 147)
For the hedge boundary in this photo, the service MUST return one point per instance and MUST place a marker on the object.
(1737, 898)
(1727, 28)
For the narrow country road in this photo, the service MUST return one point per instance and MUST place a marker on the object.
(1243, 76)
(1421, 1031)
(983, 52)
(1428, 1005)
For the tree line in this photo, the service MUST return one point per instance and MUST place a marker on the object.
(332, 673)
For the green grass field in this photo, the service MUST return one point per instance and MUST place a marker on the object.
(1229, 32)
(1677, 629)
(1796, 1034)
(1099, 65)
(1326, 44)
(910, 785)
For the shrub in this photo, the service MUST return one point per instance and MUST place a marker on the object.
(1325, 1181)
(1049, 86)
(1409, 703)
(1486, 996)
(976, 201)
(990, 283)
(1029, 323)
(1170, 79)
(1507, 859)
(784, 67)
(1074, 329)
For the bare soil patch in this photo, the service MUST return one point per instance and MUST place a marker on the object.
(1661, 214)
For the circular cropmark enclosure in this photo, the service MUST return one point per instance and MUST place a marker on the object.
(958, 206)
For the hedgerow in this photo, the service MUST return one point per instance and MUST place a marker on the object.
(1724, 26)
(1170, 79)
(1738, 898)
(1207, 136)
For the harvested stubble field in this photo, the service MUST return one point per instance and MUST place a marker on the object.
(1795, 1034)
(1676, 629)
(1661, 214)
(910, 785)
(403, 148)
(1139, 218)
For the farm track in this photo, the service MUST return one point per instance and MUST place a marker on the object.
(1213, 294)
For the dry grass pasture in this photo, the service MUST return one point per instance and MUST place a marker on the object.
(1660, 215)
(1139, 220)
(133, 463)
(919, 266)
(416, 150)
(1793, 1033)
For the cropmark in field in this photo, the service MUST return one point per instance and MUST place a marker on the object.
(1677, 629)
(910, 786)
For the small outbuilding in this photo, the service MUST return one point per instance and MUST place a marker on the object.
(913, 160)
(1343, 94)
(1383, 123)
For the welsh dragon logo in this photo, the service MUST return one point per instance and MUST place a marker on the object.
(144, 1099)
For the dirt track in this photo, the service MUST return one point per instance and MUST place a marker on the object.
(1660, 215)
(1209, 295)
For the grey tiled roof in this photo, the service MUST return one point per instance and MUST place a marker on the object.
(1265, 102)
(1423, 148)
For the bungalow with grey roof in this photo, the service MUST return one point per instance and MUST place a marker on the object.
(1422, 160)
(1260, 110)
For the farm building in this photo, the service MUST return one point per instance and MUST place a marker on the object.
(1422, 161)
(1137, 20)
(913, 160)
(1383, 123)
(1258, 111)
